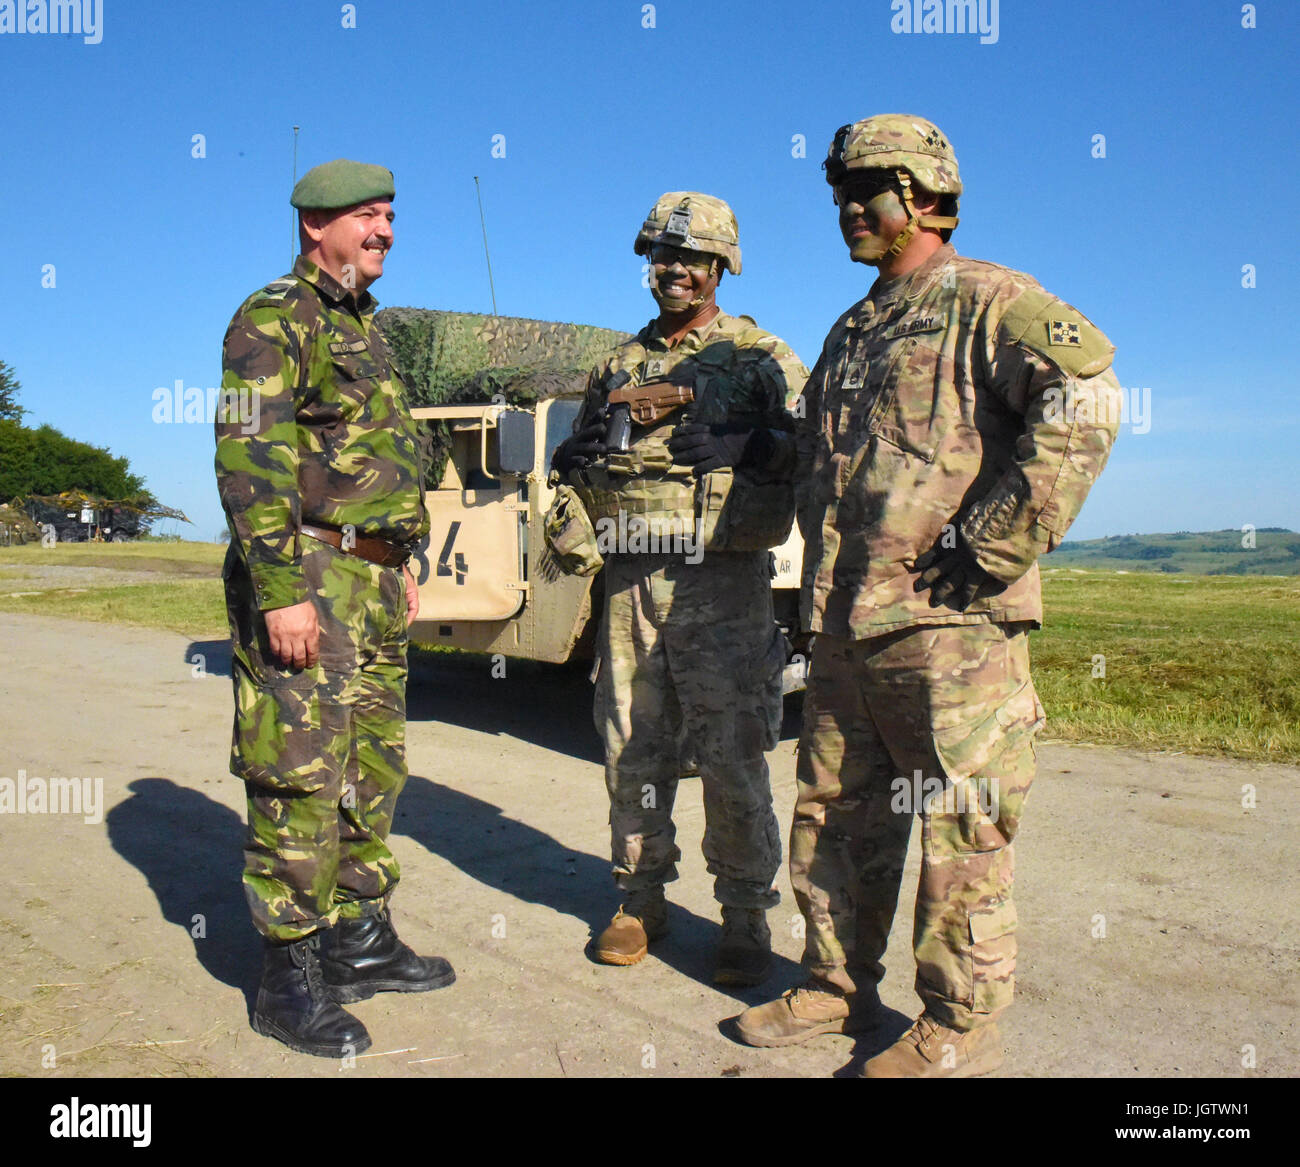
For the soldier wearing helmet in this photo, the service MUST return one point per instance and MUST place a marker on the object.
(676, 470)
(950, 431)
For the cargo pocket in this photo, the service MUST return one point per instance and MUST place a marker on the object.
(765, 677)
(276, 741)
(989, 764)
(992, 957)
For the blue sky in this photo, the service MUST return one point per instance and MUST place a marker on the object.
(153, 249)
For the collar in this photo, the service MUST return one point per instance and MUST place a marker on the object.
(909, 286)
(331, 289)
(651, 334)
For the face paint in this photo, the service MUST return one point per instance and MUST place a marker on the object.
(870, 231)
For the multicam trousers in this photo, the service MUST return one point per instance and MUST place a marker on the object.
(935, 721)
(691, 651)
(321, 750)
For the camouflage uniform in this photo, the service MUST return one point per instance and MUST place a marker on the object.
(321, 750)
(958, 393)
(690, 645)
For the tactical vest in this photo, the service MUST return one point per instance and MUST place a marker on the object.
(721, 511)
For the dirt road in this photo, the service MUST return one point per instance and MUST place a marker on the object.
(1159, 914)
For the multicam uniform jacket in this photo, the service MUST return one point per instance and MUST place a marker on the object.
(737, 371)
(960, 393)
(329, 438)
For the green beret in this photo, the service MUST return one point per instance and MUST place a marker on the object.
(341, 183)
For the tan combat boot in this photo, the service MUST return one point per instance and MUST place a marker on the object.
(931, 1050)
(644, 917)
(745, 950)
(808, 1011)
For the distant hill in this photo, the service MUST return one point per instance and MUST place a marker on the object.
(1276, 552)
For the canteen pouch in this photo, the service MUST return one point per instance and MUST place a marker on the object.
(570, 534)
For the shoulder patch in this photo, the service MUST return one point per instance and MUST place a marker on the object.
(276, 292)
(1058, 333)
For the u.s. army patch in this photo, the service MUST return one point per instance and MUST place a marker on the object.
(1063, 332)
(934, 322)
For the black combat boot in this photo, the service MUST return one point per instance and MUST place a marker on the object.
(294, 1006)
(363, 957)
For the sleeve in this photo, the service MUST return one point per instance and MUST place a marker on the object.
(783, 375)
(257, 451)
(593, 400)
(770, 379)
(1047, 362)
(807, 413)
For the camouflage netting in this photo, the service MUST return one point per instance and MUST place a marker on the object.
(449, 358)
(15, 526)
(124, 517)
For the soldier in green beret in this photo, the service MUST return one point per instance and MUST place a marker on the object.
(323, 496)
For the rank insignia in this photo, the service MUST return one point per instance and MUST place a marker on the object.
(1064, 332)
(654, 369)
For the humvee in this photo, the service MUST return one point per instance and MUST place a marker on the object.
(487, 580)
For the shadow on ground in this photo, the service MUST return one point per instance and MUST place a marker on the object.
(190, 849)
(544, 704)
(530, 865)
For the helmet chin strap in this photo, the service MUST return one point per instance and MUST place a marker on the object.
(668, 304)
(915, 220)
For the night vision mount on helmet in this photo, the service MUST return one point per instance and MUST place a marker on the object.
(696, 222)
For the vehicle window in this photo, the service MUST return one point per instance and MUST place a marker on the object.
(559, 424)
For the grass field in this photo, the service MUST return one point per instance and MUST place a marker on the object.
(181, 558)
(187, 597)
(1206, 665)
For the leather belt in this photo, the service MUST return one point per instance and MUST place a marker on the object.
(369, 547)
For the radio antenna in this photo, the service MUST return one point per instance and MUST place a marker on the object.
(487, 255)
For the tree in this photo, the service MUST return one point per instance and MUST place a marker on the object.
(45, 461)
(9, 387)
(17, 460)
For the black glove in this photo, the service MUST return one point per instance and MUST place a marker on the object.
(952, 575)
(580, 450)
(709, 447)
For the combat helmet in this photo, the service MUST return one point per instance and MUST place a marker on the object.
(910, 146)
(686, 218)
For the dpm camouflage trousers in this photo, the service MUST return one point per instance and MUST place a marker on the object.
(321, 750)
(690, 662)
(936, 722)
